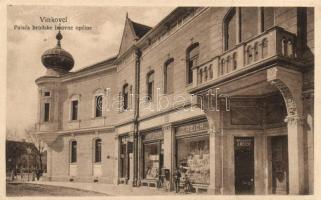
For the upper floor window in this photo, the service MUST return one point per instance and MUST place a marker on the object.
(242, 24)
(46, 112)
(169, 76)
(150, 85)
(230, 29)
(98, 106)
(267, 18)
(46, 94)
(249, 22)
(97, 150)
(74, 110)
(125, 96)
(192, 54)
(73, 151)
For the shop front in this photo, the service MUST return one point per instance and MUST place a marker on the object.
(152, 158)
(193, 154)
(125, 159)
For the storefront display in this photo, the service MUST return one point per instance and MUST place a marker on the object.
(193, 157)
(151, 154)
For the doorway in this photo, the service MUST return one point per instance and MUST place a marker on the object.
(244, 165)
(280, 175)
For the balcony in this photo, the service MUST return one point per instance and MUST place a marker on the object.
(272, 45)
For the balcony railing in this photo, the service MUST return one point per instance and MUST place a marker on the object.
(273, 43)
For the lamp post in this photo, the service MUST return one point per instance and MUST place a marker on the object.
(28, 153)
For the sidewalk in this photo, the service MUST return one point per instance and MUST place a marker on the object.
(109, 189)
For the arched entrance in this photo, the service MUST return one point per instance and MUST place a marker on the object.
(256, 142)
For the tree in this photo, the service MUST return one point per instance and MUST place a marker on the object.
(39, 144)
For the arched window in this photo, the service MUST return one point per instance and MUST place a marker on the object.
(169, 76)
(192, 54)
(125, 96)
(230, 29)
(73, 151)
(74, 106)
(210, 69)
(97, 150)
(201, 75)
(150, 85)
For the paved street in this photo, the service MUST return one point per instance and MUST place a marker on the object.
(109, 189)
(28, 189)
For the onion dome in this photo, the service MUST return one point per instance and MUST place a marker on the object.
(57, 58)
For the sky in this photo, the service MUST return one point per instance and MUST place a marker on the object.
(25, 47)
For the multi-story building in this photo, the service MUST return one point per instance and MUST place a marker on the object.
(225, 94)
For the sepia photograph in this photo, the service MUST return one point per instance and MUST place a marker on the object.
(159, 100)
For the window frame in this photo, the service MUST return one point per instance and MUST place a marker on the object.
(166, 64)
(95, 160)
(73, 156)
(98, 92)
(150, 94)
(125, 101)
(189, 66)
(46, 113)
(237, 12)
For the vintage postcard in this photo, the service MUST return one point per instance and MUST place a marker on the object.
(160, 100)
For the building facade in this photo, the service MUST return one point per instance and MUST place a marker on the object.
(224, 93)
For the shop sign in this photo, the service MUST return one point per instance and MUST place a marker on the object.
(243, 142)
(154, 135)
(191, 128)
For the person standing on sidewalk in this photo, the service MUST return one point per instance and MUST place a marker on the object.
(177, 176)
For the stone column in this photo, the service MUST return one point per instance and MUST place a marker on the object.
(289, 83)
(296, 154)
(117, 159)
(214, 118)
(140, 159)
(169, 151)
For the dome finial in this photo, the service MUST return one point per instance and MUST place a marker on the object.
(59, 36)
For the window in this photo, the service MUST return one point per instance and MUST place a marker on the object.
(98, 106)
(47, 94)
(193, 155)
(46, 112)
(169, 76)
(73, 153)
(150, 85)
(74, 110)
(268, 18)
(249, 22)
(125, 96)
(97, 150)
(153, 159)
(192, 54)
(242, 24)
(230, 29)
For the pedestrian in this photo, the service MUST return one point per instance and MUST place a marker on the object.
(177, 177)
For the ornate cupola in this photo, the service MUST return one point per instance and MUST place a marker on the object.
(57, 60)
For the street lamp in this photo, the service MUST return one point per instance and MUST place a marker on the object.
(28, 152)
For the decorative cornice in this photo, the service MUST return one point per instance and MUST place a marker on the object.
(295, 120)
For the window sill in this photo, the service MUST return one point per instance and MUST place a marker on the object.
(75, 163)
(74, 121)
(102, 117)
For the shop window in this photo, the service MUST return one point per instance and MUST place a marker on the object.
(74, 110)
(193, 156)
(150, 85)
(267, 17)
(123, 160)
(169, 76)
(230, 29)
(98, 106)
(97, 150)
(192, 54)
(46, 112)
(73, 153)
(152, 160)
